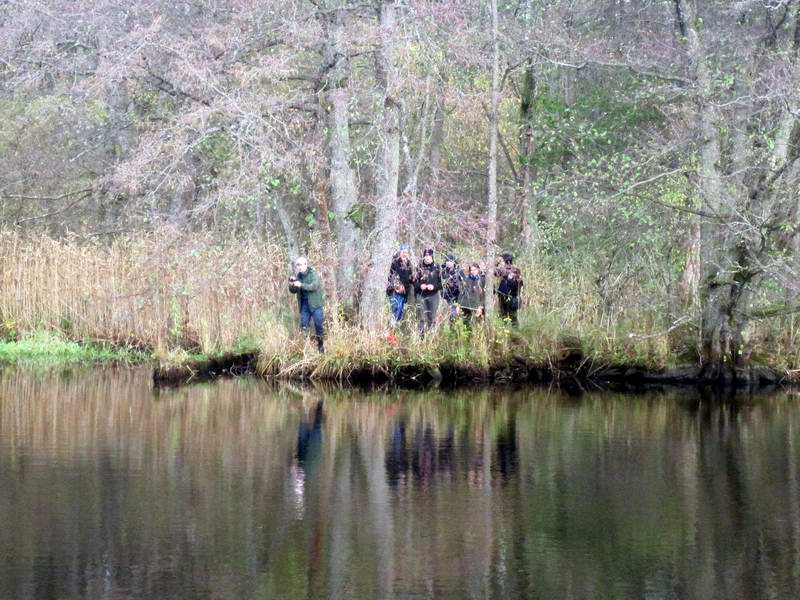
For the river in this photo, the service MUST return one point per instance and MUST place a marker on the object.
(241, 489)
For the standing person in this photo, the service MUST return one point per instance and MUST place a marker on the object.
(400, 283)
(427, 284)
(452, 279)
(471, 298)
(509, 287)
(310, 298)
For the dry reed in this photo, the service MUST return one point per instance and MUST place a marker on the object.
(158, 291)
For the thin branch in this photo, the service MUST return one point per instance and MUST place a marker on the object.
(47, 198)
(653, 179)
(52, 213)
(630, 67)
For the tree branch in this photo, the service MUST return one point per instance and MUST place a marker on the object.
(48, 198)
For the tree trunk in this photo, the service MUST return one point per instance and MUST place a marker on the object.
(721, 284)
(120, 140)
(387, 208)
(437, 137)
(689, 284)
(530, 216)
(414, 166)
(343, 187)
(288, 228)
(491, 208)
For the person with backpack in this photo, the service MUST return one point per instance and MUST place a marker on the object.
(452, 280)
(508, 288)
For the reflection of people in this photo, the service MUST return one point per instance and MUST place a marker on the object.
(308, 287)
(309, 437)
(396, 458)
(309, 450)
(509, 286)
(399, 284)
(471, 297)
(427, 284)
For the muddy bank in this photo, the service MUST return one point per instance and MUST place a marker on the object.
(571, 370)
(228, 365)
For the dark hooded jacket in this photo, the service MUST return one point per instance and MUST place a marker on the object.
(429, 274)
(401, 275)
(452, 280)
(508, 288)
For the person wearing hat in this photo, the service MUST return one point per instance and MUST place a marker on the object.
(471, 296)
(400, 283)
(508, 288)
(452, 278)
(427, 285)
(307, 284)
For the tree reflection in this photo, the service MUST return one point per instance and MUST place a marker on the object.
(241, 489)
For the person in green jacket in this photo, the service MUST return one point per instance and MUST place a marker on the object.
(471, 296)
(307, 284)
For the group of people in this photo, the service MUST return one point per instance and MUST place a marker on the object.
(463, 291)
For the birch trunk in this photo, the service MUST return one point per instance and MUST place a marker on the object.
(530, 216)
(491, 208)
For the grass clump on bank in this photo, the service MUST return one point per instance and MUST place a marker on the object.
(52, 348)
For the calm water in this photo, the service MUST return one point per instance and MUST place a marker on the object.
(241, 490)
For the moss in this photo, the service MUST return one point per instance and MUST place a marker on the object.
(52, 348)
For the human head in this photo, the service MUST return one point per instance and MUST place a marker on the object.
(403, 251)
(508, 258)
(450, 261)
(474, 269)
(427, 256)
(301, 264)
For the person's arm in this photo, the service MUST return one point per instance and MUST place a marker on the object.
(437, 281)
(313, 285)
(415, 279)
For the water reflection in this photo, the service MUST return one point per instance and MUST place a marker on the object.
(241, 490)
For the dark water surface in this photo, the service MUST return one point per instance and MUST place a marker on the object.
(242, 490)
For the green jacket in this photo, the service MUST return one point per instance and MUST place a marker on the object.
(313, 285)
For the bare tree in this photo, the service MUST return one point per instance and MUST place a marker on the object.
(491, 202)
(335, 99)
(385, 233)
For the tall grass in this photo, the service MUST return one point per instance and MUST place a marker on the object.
(177, 294)
(157, 291)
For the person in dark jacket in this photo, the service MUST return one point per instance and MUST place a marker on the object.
(307, 284)
(452, 279)
(471, 297)
(427, 285)
(400, 283)
(508, 288)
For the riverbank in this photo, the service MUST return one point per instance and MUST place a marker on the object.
(49, 348)
(199, 306)
(456, 358)
(450, 359)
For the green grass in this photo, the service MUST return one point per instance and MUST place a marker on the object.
(45, 347)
